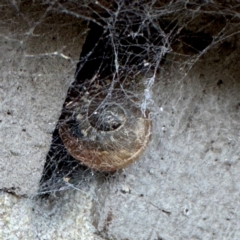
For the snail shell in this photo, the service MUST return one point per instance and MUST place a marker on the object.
(107, 131)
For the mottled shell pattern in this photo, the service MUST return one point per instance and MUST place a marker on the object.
(105, 129)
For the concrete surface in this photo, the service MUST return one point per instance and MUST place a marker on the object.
(39, 51)
(55, 218)
(186, 185)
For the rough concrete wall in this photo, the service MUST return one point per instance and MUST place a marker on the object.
(186, 186)
(39, 50)
(65, 217)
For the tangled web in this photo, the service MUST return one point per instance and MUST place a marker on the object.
(128, 44)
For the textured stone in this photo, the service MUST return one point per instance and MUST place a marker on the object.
(186, 185)
(62, 217)
(39, 51)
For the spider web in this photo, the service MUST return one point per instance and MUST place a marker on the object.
(169, 64)
(128, 45)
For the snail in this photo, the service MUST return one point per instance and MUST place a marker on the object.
(105, 129)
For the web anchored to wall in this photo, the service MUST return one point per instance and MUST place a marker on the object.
(128, 45)
(162, 61)
(149, 127)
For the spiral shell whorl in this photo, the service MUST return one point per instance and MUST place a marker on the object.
(106, 131)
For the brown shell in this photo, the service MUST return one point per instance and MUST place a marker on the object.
(109, 131)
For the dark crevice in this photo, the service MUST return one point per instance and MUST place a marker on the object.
(60, 165)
